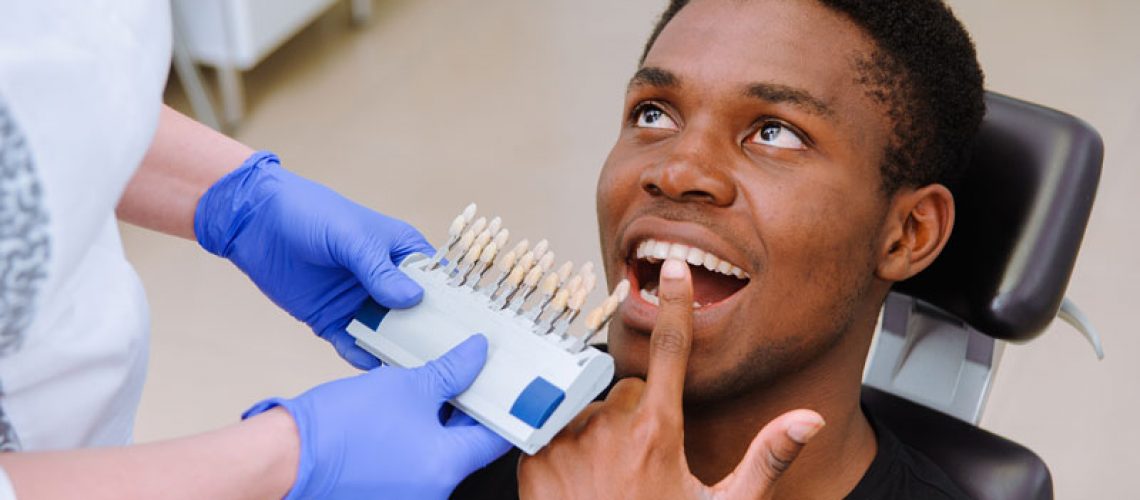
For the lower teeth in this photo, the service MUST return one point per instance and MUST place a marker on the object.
(650, 296)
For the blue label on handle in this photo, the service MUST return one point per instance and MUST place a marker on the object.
(537, 402)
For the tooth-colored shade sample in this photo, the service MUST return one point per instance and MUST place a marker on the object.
(456, 226)
(540, 248)
(501, 237)
(489, 252)
(479, 225)
(469, 212)
(549, 284)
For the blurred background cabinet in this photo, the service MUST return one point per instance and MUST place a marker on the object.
(233, 36)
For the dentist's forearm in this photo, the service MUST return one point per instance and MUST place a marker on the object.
(184, 160)
(256, 458)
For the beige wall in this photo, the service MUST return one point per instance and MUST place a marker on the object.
(514, 104)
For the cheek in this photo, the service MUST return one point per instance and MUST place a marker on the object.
(819, 238)
(618, 186)
(617, 182)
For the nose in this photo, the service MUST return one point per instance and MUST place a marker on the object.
(691, 172)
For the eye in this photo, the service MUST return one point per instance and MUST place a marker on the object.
(652, 116)
(777, 135)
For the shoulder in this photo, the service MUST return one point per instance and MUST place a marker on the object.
(899, 471)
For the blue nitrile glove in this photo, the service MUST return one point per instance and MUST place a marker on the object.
(313, 252)
(378, 434)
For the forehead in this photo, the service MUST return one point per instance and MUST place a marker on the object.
(720, 45)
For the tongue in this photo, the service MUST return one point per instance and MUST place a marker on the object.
(710, 287)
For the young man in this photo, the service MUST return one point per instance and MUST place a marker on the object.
(798, 148)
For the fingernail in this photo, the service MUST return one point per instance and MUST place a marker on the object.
(673, 269)
(802, 432)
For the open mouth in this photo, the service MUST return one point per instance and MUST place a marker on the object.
(714, 278)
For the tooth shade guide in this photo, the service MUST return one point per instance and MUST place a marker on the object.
(546, 291)
(621, 291)
(533, 276)
(564, 271)
(501, 237)
(504, 264)
(588, 284)
(508, 261)
(573, 285)
(469, 212)
(521, 247)
(526, 262)
(577, 299)
(560, 300)
(546, 261)
(461, 249)
(549, 285)
(456, 227)
(465, 241)
(472, 253)
(556, 306)
(540, 248)
(527, 275)
(594, 319)
(489, 252)
(479, 225)
(587, 268)
(483, 238)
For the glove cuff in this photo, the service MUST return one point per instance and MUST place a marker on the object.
(225, 209)
(309, 483)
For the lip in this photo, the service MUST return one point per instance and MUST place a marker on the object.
(640, 315)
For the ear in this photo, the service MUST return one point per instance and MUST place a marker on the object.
(917, 226)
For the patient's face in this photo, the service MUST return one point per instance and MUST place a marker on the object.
(747, 137)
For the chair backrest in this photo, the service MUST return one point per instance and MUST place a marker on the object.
(983, 464)
(1022, 206)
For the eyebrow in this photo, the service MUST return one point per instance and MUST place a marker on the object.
(784, 94)
(654, 77)
(770, 92)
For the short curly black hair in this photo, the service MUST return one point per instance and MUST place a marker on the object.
(925, 70)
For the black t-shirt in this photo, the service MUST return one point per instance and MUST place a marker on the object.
(897, 472)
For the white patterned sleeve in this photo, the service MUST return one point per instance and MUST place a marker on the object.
(6, 490)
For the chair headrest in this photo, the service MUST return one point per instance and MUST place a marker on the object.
(1022, 206)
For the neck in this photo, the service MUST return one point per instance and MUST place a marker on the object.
(717, 438)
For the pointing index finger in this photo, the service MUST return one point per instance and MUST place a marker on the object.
(672, 337)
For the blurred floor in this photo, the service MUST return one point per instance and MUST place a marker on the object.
(514, 104)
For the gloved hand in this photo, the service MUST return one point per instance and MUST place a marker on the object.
(314, 253)
(379, 435)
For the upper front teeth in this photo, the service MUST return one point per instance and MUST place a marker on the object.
(654, 251)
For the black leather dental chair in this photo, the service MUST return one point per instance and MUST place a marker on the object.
(1022, 206)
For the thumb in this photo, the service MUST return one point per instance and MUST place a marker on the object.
(454, 372)
(770, 454)
(390, 287)
(346, 347)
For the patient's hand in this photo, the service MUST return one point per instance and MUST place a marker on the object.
(631, 445)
